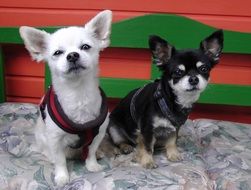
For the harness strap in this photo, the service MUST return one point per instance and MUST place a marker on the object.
(159, 96)
(132, 104)
(86, 131)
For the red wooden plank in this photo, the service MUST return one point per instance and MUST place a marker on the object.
(131, 63)
(18, 62)
(219, 112)
(24, 86)
(212, 7)
(235, 23)
(233, 69)
(125, 63)
(22, 99)
(55, 17)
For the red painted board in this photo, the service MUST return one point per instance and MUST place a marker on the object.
(211, 7)
(22, 99)
(232, 69)
(24, 86)
(18, 62)
(125, 63)
(59, 17)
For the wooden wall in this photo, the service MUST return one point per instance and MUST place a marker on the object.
(25, 79)
(231, 14)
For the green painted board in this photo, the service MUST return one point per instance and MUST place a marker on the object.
(178, 30)
(10, 35)
(214, 94)
(227, 94)
(119, 88)
(113, 87)
(47, 81)
(2, 88)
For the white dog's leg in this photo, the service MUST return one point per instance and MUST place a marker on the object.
(59, 160)
(91, 161)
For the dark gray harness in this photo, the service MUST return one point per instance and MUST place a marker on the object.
(159, 96)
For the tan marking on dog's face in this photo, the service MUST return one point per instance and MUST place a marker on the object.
(144, 157)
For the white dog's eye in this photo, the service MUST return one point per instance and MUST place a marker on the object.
(85, 47)
(58, 52)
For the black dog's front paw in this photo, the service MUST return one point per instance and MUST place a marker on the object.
(173, 155)
(125, 148)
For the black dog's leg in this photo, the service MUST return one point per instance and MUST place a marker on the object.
(145, 149)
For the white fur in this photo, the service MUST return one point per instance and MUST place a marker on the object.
(162, 122)
(77, 91)
(116, 135)
(184, 97)
(182, 67)
(198, 64)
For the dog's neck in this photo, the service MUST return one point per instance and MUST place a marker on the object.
(80, 97)
(187, 100)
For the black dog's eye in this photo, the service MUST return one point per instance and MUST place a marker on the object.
(204, 69)
(58, 52)
(85, 47)
(179, 72)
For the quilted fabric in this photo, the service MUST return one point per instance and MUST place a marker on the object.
(216, 155)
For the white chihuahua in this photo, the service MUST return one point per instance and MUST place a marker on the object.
(73, 57)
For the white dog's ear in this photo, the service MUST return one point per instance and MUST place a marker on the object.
(35, 41)
(100, 25)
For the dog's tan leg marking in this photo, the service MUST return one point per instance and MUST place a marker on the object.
(172, 152)
(125, 148)
(144, 157)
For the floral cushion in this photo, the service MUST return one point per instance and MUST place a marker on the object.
(216, 155)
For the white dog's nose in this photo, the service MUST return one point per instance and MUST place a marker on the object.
(72, 57)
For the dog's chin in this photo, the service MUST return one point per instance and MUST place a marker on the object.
(76, 69)
(193, 89)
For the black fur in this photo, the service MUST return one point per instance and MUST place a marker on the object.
(167, 59)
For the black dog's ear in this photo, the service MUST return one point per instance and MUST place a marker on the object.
(161, 50)
(212, 46)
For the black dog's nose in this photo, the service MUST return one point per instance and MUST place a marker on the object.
(193, 80)
(72, 57)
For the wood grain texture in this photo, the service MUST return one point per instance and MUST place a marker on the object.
(23, 86)
(211, 7)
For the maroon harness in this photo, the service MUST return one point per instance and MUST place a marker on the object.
(86, 131)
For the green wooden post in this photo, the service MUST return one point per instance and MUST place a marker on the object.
(2, 86)
(47, 77)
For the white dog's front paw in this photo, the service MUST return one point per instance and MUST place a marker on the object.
(93, 166)
(61, 178)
